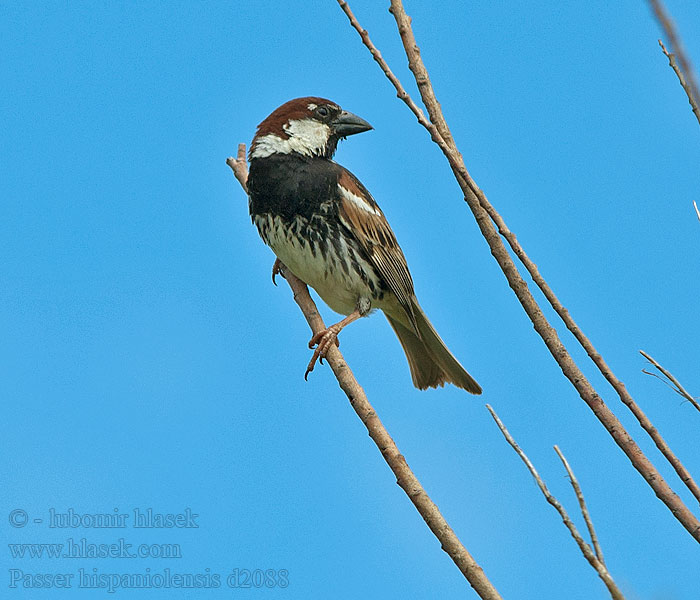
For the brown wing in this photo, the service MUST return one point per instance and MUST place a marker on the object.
(364, 219)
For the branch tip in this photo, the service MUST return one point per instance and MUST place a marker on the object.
(675, 385)
(684, 70)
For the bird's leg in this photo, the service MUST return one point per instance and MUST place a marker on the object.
(323, 339)
(277, 269)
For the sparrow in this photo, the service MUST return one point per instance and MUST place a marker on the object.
(325, 227)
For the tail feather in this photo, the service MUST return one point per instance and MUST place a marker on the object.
(429, 359)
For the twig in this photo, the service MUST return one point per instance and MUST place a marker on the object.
(239, 166)
(684, 72)
(697, 210)
(593, 559)
(358, 400)
(684, 84)
(661, 379)
(582, 504)
(484, 214)
(674, 383)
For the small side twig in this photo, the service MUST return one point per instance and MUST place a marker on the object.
(593, 558)
(684, 70)
(681, 78)
(672, 382)
(405, 477)
(239, 166)
(582, 504)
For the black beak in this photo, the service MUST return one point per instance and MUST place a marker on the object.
(349, 124)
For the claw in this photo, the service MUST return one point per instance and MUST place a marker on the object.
(277, 269)
(312, 363)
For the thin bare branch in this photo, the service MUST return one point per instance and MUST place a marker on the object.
(582, 504)
(661, 379)
(239, 166)
(684, 71)
(358, 400)
(681, 78)
(673, 383)
(486, 216)
(585, 548)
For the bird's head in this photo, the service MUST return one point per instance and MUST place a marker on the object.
(307, 126)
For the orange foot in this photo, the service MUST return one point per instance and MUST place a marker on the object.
(322, 340)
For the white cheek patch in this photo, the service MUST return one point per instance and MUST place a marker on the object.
(357, 201)
(306, 136)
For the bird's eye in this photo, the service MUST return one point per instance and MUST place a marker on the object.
(323, 111)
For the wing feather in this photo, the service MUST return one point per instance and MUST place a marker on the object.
(363, 218)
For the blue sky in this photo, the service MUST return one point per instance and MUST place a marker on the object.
(148, 362)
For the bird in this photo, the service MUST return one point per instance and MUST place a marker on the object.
(326, 228)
